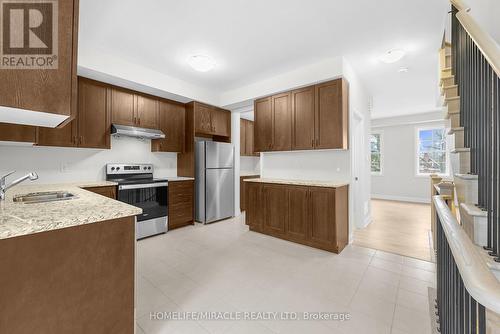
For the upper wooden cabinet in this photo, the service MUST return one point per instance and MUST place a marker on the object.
(172, 123)
(91, 127)
(303, 118)
(263, 126)
(18, 133)
(314, 117)
(246, 138)
(128, 108)
(211, 121)
(52, 89)
(332, 115)
(147, 112)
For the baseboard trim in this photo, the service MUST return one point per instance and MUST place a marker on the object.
(401, 198)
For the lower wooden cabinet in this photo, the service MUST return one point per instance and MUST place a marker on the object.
(181, 204)
(107, 191)
(310, 215)
(242, 189)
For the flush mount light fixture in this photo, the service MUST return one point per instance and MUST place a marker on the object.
(392, 56)
(201, 63)
(403, 69)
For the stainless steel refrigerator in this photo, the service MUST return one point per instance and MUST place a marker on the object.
(214, 181)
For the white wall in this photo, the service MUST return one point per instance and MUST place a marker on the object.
(399, 180)
(250, 164)
(54, 164)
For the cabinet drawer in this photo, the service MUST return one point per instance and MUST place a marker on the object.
(181, 199)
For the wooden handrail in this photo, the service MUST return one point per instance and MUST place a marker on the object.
(486, 44)
(479, 281)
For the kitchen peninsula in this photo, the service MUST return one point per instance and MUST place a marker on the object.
(67, 266)
(313, 213)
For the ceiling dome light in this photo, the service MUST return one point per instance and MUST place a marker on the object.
(392, 56)
(201, 63)
(403, 69)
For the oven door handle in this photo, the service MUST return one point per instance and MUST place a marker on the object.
(143, 186)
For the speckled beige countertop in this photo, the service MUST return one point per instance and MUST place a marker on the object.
(17, 219)
(327, 184)
(249, 173)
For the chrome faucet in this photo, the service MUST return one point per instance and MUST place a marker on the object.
(4, 186)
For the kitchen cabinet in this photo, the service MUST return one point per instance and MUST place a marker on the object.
(106, 191)
(17, 133)
(311, 215)
(298, 215)
(331, 123)
(122, 107)
(94, 118)
(181, 204)
(276, 209)
(263, 127)
(303, 113)
(211, 121)
(50, 90)
(129, 108)
(242, 190)
(246, 138)
(282, 122)
(90, 128)
(172, 123)
(314, 117)
(254, 204)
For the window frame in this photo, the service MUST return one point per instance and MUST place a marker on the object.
(418, 129)
(381, 134)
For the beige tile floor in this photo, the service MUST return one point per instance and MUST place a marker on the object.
(225, 268)
(398, 227)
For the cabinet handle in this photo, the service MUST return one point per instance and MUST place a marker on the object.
(312, 142)
(139, 121)
(81, 140)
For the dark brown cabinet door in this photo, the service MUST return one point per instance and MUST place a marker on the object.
(249, 138)
(123, 107)
(276, 209)
(147, 112)
(298, 215)
(282, 122)
(103, 191)
(303, 119)
(254, 204)
(172, 123)
(203, 119)
(331, 115)
(263, 125)
(181, 204)
(19, 133)
(66, 136)
(221, 122)
(93, 115)
(243, 137)
(322, 223)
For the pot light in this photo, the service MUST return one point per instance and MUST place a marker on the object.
(392, 56)
(201, 63)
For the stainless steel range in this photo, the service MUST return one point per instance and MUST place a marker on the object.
(138, 187)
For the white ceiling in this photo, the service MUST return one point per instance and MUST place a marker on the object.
(255, 40)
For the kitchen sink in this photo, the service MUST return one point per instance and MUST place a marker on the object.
(42, 197)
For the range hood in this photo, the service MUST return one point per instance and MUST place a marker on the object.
(132, 131)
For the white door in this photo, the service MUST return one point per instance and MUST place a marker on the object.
(359, 151)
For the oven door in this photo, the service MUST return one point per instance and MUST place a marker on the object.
(152, 198)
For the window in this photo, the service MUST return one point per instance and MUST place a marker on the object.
(431, 151)
(376, 153)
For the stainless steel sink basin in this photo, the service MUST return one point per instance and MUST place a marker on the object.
(42, 197)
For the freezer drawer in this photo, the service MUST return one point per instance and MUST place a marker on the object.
(219, 194)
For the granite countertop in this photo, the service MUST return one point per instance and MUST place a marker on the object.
(179, 178)
(17, 219)
(249, 173)
(326, 184)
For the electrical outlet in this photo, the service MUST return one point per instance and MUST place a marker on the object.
(64, 167)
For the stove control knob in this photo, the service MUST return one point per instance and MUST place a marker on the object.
(149, 167)
(117, 168)
(112, 168)
(145, 167)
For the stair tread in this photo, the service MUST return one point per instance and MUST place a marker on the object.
(453, 130)
(466, 176)
(460, 150)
